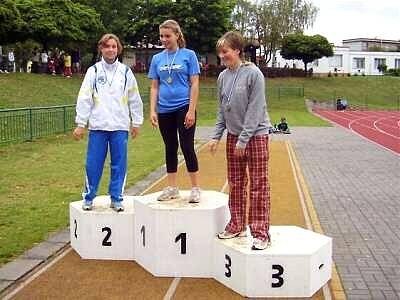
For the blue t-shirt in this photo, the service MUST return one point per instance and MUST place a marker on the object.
(172, 96)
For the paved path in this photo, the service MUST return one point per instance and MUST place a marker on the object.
(355, 188)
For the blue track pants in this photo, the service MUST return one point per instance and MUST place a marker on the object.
(98, 144)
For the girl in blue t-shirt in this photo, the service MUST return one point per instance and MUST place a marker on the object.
(173, 99)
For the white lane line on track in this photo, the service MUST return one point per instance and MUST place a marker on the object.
(360, 135)
(376, 125)
(174, 284)
(356, 122)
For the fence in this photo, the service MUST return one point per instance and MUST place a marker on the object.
(25, 124)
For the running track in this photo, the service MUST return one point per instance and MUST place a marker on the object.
(381, 127)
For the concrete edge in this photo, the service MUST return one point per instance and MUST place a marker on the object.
(335, 289)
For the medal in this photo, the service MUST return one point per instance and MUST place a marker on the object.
(169, 66)
(227, 99)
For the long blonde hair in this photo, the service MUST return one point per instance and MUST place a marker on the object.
(174, 26)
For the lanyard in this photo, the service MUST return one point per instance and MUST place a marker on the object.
(172, 62)
(228, 100)
(112, 78)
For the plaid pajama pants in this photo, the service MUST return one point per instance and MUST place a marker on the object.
(256, 158)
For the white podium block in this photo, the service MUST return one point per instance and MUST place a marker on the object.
(176, 238)
(297, 264)
(103, 233)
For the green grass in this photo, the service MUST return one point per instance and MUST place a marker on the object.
(39, 179)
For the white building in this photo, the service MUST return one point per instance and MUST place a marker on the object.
(354, 57)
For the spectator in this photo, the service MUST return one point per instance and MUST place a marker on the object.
(341, 104)
(11, 61)
(283, 126)
(76, 61)
(44, 61)
(67, 65)
(35, 61)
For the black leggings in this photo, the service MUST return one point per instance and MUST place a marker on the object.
(171, 124)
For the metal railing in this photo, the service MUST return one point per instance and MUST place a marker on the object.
(25, 124)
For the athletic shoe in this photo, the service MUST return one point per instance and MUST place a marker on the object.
(195, 195)
(87, 205)
(169, 193)
(260, 245)
(117, 206)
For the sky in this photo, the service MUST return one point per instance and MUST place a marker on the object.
(339, 20)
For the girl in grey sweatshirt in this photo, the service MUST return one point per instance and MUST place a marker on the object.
(243, 113)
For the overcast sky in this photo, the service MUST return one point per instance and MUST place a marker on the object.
(338, 20)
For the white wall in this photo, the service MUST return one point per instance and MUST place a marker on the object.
(328, 64)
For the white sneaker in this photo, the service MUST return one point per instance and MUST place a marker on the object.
(195, 195)
(260, 245)
(169, 193)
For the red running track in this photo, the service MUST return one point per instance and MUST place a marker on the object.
(381, 127)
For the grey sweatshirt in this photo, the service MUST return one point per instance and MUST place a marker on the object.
(245, 114)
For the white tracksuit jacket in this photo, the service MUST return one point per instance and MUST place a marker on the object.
(109, 98)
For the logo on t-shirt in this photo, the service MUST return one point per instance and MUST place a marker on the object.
(174, 67)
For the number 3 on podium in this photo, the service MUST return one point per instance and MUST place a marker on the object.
(275, 276)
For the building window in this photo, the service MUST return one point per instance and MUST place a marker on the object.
(379, 61)
(358, 63)
(397, 63)
(336, 61)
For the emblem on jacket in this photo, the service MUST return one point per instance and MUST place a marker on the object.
(101, 79)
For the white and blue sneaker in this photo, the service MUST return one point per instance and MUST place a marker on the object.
(87, 205)
(117, 206)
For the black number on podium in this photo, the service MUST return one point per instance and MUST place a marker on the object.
(277, 276)
(106, 242)
(228, 265)
(182, 237)
(143, 232)
(75, 229)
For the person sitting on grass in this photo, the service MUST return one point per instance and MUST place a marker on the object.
(283, 126)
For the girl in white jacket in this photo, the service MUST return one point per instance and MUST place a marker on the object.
(109, 104)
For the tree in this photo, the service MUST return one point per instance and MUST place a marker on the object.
(11, 22)
(202, 22)
(269, 21)
(306, 48)
(57, 22)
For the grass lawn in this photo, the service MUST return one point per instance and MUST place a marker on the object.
(39, 179)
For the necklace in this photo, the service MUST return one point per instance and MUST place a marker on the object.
(112, 78)
(228, 99)
(169, 66)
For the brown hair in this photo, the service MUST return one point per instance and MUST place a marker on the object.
(233, 40)
(174, 26)
(105, 38)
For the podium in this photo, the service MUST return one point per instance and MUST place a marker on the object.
(178, 239)
(179, 235)
(102, 233)
(297, 264)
